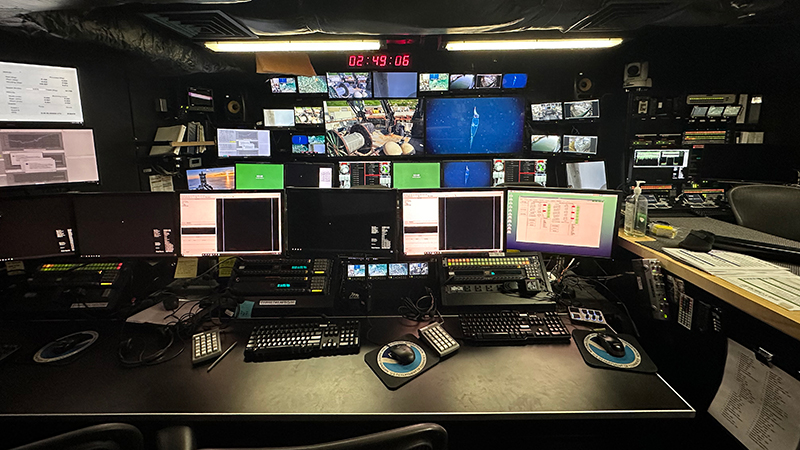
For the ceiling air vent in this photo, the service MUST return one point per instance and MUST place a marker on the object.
(202, 25)
(625, 15)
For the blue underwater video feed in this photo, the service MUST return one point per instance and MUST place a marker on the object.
(469, 126)
(515, 80)
(466, 174)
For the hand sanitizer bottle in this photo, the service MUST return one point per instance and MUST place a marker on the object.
(636, 213)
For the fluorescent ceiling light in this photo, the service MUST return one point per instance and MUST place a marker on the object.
(533, 44)
(293, 46)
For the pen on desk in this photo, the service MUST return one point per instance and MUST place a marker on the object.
(220, 357)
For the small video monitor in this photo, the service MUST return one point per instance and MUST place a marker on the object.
(586, 175)
(519, 171)
(461, 81)
(416, 175)
(474, 126)
(308, 144)
(434, 82)
(466, 174)
(489, 81)
(699, 111)
(234, 143)
(215, 224)
(643, 158)
(283, 85)
(584, 109)
(580, 144)
(562, 221)
(547, 111)
(200, 99)
(308, 115)
(312, 85)
(732, 111)
(356, 85)
(356, 270)
(545, 143)
(515, 80)
(394, 84)
(126, 225)
(301, 174)
(397, 270)
(278, 118)
(715, 111)
(365, 128)
(211, 179)
(418, 269)
(333, 221)
(357, 173)
(377, 270)
(36, 227)
(451, 222)
(259, 176)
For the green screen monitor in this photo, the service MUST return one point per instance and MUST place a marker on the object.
(411, 175)
(259, 176)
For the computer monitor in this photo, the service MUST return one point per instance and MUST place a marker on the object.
(468, 126)
(200, 99)
(211, 179)
(489, 81)
(519, 171)
(545, 143)
(715, 111)
(562, 221)
(36, 93)
(394, 84)
(357, 173)
(660, 158)
(584, 109)
(259, 176)
(317, 84)
(233, 143)
(580, 144)
(283, 85)
(300, 174)
(416, 175)
(216, 223)
(450, 222)
(587, 175)
(31, 157)
(466, 174)
(36, 227)
(303, 144)
(547, 111)
(699, 111)
(349, 85)
(330, 221)
(278, 118)
(308, 115)
(515, 80)
(434, 82)
(460, 81)
(139, 224)
(358, 128)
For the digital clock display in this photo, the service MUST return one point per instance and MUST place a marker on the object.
(379, 60)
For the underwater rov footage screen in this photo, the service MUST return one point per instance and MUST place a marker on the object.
(465, 126)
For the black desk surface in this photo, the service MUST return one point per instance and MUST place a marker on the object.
(525, 382)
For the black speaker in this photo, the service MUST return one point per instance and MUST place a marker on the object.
(584, 87)
(233, 107)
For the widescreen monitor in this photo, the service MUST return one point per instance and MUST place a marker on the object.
(358, 128)
(416, 175)
(452, 222)
(434, 82)
(303, 144)
(259, 176)
(519, 171)
(357, 173)
(308, 115)
(36, 227)
(235, 143)
(300, 174)
(312, 85)
(460, 81)
(394, 84)
(586, 175)
(231, 223)
(584, 109)
(660, 158)
(515, 80)
(31, 157)
(36, 93)
(283, 85)
(545, 143)
(278, 118)
(211, 179)
(547, 111)
(489, 81)
(331, 221)
(468, 126)
(562, 221)
(466, 174)
(580, 144)
(357, 85)
(139, 224)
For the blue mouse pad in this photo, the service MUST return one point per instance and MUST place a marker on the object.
(392, 373)
(634, 360)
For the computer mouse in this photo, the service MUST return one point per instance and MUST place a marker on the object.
(402, 353)
(611, 344)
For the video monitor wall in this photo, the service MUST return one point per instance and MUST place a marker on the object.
(465, 126)
(211, 179)
(234, 143)
(356, 85)
(40, 156)
(357, 173)
(466, 174)
(358, 128)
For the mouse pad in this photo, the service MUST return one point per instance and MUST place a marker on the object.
(390, 372)
(635, 359)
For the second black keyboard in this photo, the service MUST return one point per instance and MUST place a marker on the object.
(513, 328)
(296, 340)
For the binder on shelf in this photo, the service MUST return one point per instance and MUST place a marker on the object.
(167, 134)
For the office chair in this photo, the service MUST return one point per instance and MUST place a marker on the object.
(772, 209)
(423, 436)
(107, 436)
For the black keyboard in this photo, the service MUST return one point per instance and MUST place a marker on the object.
(297, 340)
(513, 327)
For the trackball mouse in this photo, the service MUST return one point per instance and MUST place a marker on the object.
(402, 353)
(611, 344)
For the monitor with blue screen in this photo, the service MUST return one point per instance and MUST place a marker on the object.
(515, 80)
(466, 174)
(470, 126)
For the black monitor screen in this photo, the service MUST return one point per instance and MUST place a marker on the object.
(126, 225)
(341, 221)
(36, 227)
(308, 175)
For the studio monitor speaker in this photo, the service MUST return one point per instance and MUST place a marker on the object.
(584, 87)
(636, 76)
(233, 107)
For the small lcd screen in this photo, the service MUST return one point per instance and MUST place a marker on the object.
(515, 80)
(259, 176)
(586, 109)
(466, 174)
(459, 81)
(308, 144)
(365, 174)
(545, 143)
(661, 158)
(587, 175)
(715, 111)
(356, 85)
(580, 144)
(418, 175)
(418, 269)
(352, 129)
(377, 270)
(356, 270)
(308, 115)
(732, 111)
(200, 98)
(562, 221)
(312, 85)
(278, 118)
(398, 269)
(519, 171)
(489, 81)
(394, 84)
(547, 111)
(126, 225)
(283, 85)
(36, 227)
(211, 179)
(462, 126)
(298, 174)
(699, 111)
(232, 143)
(434, 82)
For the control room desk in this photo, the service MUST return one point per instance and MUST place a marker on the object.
(520, 382)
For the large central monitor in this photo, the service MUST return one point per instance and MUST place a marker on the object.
(36, 227)
(231, 223)
(469, 126)
(356, 221)
(438, 221)
(562, 221)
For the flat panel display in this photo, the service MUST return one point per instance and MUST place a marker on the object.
(312, 85)
(587, 175)
(584, 109)
(357, 128)
(519, 171)
(357, 85)
(416, 175)
(466, 174)
(465, 126)
(211, 179)
(234, 143)
(259, 176)
(36, 227)
(580, 144)
(434, 82)
(394, 84)
(31, 157)
(36, 93)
